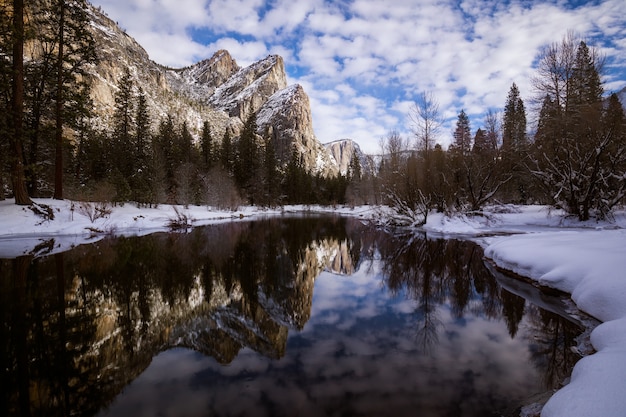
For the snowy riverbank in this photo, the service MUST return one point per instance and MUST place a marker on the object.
(586, 260)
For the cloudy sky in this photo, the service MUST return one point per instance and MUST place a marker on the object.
(364, 62)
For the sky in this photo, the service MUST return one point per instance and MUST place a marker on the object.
(364, 63)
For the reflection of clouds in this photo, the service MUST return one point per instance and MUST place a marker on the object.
(357, 355)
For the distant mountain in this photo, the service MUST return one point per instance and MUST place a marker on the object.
(342, 150)
(215, 90)
(622, 97)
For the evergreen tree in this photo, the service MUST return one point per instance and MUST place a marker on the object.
(185, 146)
(247, 163)
(142, 127)
(226, 153)
(272, 175)
(207, 147)
(515, 147)
(462, 140)
(613, 176)
(514, 124)
(164, 143)
(575, 153)
(354, 168)
(75, 49)
(586, 86)
(123, 134)
(297, 184)
(142, 172)
(39, 98)
(481, 143)
(16, 136)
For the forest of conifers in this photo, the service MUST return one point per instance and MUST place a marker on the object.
(575, 159)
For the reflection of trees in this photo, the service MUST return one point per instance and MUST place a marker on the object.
(43, 357)
(78, 326)
(513, 310)
(434, 271)
(551, 351)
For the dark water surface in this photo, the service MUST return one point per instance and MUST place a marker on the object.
(283, 317)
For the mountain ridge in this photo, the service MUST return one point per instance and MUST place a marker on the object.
(214, 90)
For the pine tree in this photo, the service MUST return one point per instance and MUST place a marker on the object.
(272, 175)
(481, 143)
(515, 147)
(142, 173)
(354, 168)
(123, 134)
(574, 152)
(226, 153)
(514, 123)
(462, 140)
(247, 162)
(586, 86)
(185, 145)
(75, 49)
(16, 138)
(207, 147)
(163, 146)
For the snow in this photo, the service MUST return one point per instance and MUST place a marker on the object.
(22, 232)
(587, 260)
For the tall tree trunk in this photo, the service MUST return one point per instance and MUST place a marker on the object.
(18, 178)
(58, 160)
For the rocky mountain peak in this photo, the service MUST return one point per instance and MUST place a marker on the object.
(215, 90)
(342, 151)
(248, 89)
(214, 71)
(286, 118)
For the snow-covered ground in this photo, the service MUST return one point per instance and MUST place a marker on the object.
(586, 260)
(22, 232)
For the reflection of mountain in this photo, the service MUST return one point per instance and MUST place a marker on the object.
(95, 316)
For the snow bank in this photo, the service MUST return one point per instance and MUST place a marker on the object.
(591, 266)
(587, 260)
(23, 232)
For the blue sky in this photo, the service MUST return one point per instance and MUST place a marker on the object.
(364, 62)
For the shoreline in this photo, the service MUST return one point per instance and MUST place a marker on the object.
(533, 405)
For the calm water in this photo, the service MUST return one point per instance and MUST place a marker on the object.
(283, 317)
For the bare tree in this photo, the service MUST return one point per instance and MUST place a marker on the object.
(576, 149)
(425, 121)
(493, 127)
(555, 70)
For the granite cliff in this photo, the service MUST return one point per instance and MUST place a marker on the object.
(216, 90)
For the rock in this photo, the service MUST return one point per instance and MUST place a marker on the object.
(342, 150)
(286, 118)
(215, 90)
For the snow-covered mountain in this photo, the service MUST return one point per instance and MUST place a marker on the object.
(215, 90)
(342, 150)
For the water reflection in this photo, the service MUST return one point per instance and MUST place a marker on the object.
(316, 316)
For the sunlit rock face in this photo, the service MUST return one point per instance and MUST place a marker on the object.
(215, 90)
(342, 151)
(286, 118)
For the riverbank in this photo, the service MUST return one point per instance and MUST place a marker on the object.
(65, 224)
(586, 260)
